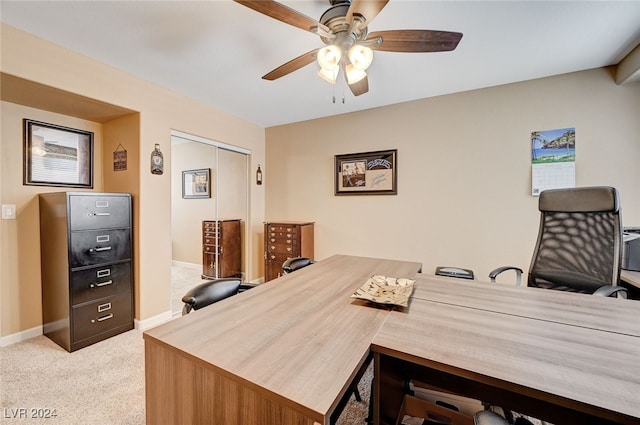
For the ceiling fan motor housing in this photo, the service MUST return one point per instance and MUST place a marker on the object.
(334, 18)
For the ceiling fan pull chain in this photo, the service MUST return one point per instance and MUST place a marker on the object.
(333, 88)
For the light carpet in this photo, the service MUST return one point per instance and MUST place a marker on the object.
(103, 383)
(100, 384)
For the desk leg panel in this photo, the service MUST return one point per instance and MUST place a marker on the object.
(180, 391)
(388, 389)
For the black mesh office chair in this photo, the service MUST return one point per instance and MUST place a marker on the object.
(579, 246)
(209, 292)
(295, 263)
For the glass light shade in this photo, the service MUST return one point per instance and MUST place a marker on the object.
(329, 57)
(354, 74)
(329, 75)
(360, 56)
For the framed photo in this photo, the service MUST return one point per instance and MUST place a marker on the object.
(196, 183)
(367, 173)
(57, 156)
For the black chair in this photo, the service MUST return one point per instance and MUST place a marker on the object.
(579, 246)
(209, 292)
(455, 272)
(295, 263)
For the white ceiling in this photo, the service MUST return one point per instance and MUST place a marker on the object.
(217, 51)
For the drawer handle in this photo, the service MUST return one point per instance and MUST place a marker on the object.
(108, 282)
(103, 248)
(104, 307)
(103, 318)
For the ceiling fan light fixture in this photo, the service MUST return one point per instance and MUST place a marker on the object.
(329, 75)
(360, 56)
(329, 57)
(354, 74)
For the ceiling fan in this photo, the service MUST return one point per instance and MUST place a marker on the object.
(349, 46)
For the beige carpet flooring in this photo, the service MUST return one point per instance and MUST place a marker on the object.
(100, 384)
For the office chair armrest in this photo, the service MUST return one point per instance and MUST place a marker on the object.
(611, 291)
(496, 272)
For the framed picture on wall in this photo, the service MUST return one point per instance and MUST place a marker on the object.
(57, 156)
(367, 173)
(196, 183)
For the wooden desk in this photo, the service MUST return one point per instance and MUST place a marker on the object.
(535, 303)
(631, 280)
(282, 353)
(517, 347)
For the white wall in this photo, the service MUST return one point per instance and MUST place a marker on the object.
(464, 169)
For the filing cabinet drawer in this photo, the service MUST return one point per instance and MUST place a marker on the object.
(208, 264)
(210, 240)
(212, 249)
(100, 316)
(281, 249)
(282, 228)
(99, 282)
(99, 246)
(99, 212)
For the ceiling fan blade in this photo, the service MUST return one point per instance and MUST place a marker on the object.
(292, 65)
(361, 87)
(282, 13)
(368, 9)
(416, 40)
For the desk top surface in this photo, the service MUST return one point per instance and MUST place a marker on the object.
(631, 277)
(602, 313)
(300, 337)
(494, 334)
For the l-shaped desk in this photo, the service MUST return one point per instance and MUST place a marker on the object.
(287, 352)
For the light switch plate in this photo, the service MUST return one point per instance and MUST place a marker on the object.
(8, 212)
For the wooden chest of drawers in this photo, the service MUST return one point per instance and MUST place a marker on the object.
(283, 240)
(86, 254)
(221, 249)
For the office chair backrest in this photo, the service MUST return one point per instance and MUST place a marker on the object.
(579, 246)
(209, 292)
(295, 263)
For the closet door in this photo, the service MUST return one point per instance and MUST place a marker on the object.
(232, 188)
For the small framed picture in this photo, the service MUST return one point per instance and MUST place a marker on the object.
(57, 156)
(196, 183)
(367, 173)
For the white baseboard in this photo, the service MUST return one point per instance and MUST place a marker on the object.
(152, 322)
(185, 264)
(20, 336)
(142, 325)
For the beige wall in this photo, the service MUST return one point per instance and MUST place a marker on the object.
(160, 111)
(463, 180)
(464, 170)
(188, 214)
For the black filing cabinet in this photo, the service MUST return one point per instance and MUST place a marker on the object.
(86, 263)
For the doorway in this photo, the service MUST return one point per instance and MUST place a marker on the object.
(225, 197)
